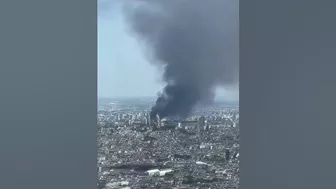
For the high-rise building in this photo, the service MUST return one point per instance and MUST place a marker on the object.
(119, 117)
(201, 123)
(149, 119)
(145, 121)
(158, 120)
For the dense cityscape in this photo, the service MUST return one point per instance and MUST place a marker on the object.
(137, 151)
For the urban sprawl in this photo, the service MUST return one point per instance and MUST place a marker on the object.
(137, 151)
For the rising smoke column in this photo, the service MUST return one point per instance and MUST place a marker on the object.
(196, 43)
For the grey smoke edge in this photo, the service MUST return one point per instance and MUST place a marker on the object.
(196, 42)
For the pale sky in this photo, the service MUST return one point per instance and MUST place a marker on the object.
(123, 70)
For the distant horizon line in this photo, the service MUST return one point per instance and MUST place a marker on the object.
(153, 97)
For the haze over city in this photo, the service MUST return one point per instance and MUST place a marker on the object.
(176, 54)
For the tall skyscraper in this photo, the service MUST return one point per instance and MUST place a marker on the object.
(149, 119)
(158, 120)
(201, 123)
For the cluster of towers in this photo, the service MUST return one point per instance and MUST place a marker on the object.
(201, 126)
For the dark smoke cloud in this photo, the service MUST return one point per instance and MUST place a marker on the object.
(195, 41)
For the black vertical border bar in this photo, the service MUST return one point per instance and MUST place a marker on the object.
(287, 94)
(48, 73)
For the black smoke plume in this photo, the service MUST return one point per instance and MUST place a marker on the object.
(195, 41)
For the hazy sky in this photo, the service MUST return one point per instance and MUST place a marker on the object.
(123, 71)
